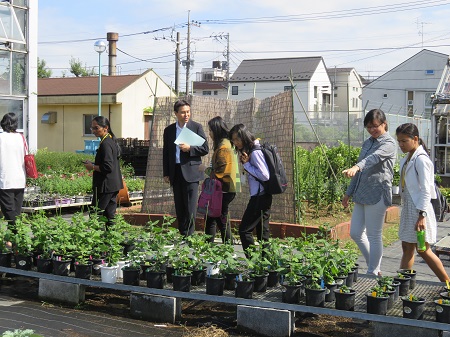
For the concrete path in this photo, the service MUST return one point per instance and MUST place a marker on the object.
(393, 254)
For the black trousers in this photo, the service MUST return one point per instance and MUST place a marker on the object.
(185, 195)
(106, 204)
(257, 216)
(11, 203)
(221, 222)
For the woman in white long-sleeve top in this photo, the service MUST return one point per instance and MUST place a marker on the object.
(417, 182)
(257, 213)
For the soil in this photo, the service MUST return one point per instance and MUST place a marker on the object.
(200, 318)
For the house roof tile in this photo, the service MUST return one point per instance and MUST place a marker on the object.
(67, 86)
(277, 69)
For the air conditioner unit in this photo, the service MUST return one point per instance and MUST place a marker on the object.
(410, 102)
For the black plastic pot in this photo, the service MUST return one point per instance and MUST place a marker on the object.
(412, 274)
(344, 301)
(355, 274)
(44, 265)
(350, 279)
(315, 297)
(391, 300)
(61, 268)
(273, 279)
(244, 289)
(404, 287)
(198, 277)
(260, 283)
(377, 305)
(5, 259)
(230, 281)
(23, 262)
(96, 266)
(215, 285)
(181, 283)
(291, 293)
(156, 279)
(329, 296)
(442, 312)
(131, 276)
(396, 285)
(413, 309)
(169, 273)
(83, 271)
(340, 280)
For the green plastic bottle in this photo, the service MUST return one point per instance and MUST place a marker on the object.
(421, 246)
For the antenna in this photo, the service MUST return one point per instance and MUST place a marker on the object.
(419, 26)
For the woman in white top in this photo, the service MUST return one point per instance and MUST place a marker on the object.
(417, 180)
(12, 169)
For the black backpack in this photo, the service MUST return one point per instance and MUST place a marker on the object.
(439, 204)
(277, 182)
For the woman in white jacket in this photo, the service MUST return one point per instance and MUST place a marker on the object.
(417, 182)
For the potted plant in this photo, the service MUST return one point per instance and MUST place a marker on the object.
(412, 274)
(404, 280)
(413, 307)
(315, 292)
(377, 301)
(396, 179)
(345, 298)
(258, 265)
(199, 249)
(442, 310)
(182, 265)
(292, 285)
(273, 249)
(5, 244)
(387, 284)
(22, 243)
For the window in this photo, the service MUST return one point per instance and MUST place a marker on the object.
(315, 91)
(206, 93)
(385, 95)
(216, 92)
(428, 103)
(87, 120)
(335, 95)
(234, 90)
(287, 88)
(429, 72)
(13, 105)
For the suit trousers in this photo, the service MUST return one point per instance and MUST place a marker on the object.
(222, 222)
(11, 203)
(106, 203)
(257, 216)
(185, 195)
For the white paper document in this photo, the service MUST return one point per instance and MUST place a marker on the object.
(189, 137)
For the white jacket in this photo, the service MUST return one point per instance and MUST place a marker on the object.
(419, 178)
(12, 167)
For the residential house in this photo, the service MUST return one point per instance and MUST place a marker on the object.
(407, 88)
(347, 90)
(262, 78)
(67, 105)
(212, 81)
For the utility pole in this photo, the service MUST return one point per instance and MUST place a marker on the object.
(188, 56)
(177, 65)
(228, 57)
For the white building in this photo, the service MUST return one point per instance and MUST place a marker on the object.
(263, 78)
(407, 88)
(18, 64)
(347, 90)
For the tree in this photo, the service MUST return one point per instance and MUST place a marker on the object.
(78, 70)
(42, 71)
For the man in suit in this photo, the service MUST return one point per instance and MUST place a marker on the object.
(181, 166)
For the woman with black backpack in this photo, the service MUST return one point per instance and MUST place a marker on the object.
(257, 213)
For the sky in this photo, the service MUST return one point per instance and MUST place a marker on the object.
(370, 36)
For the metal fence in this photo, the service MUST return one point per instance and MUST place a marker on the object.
(271, 119)
(348, 128)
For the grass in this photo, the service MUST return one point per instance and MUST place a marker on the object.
(390, 235)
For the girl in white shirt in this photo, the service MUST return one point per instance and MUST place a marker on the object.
(417, 182)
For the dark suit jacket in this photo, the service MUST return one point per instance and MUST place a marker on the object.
(189, 161)
(109, 179)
